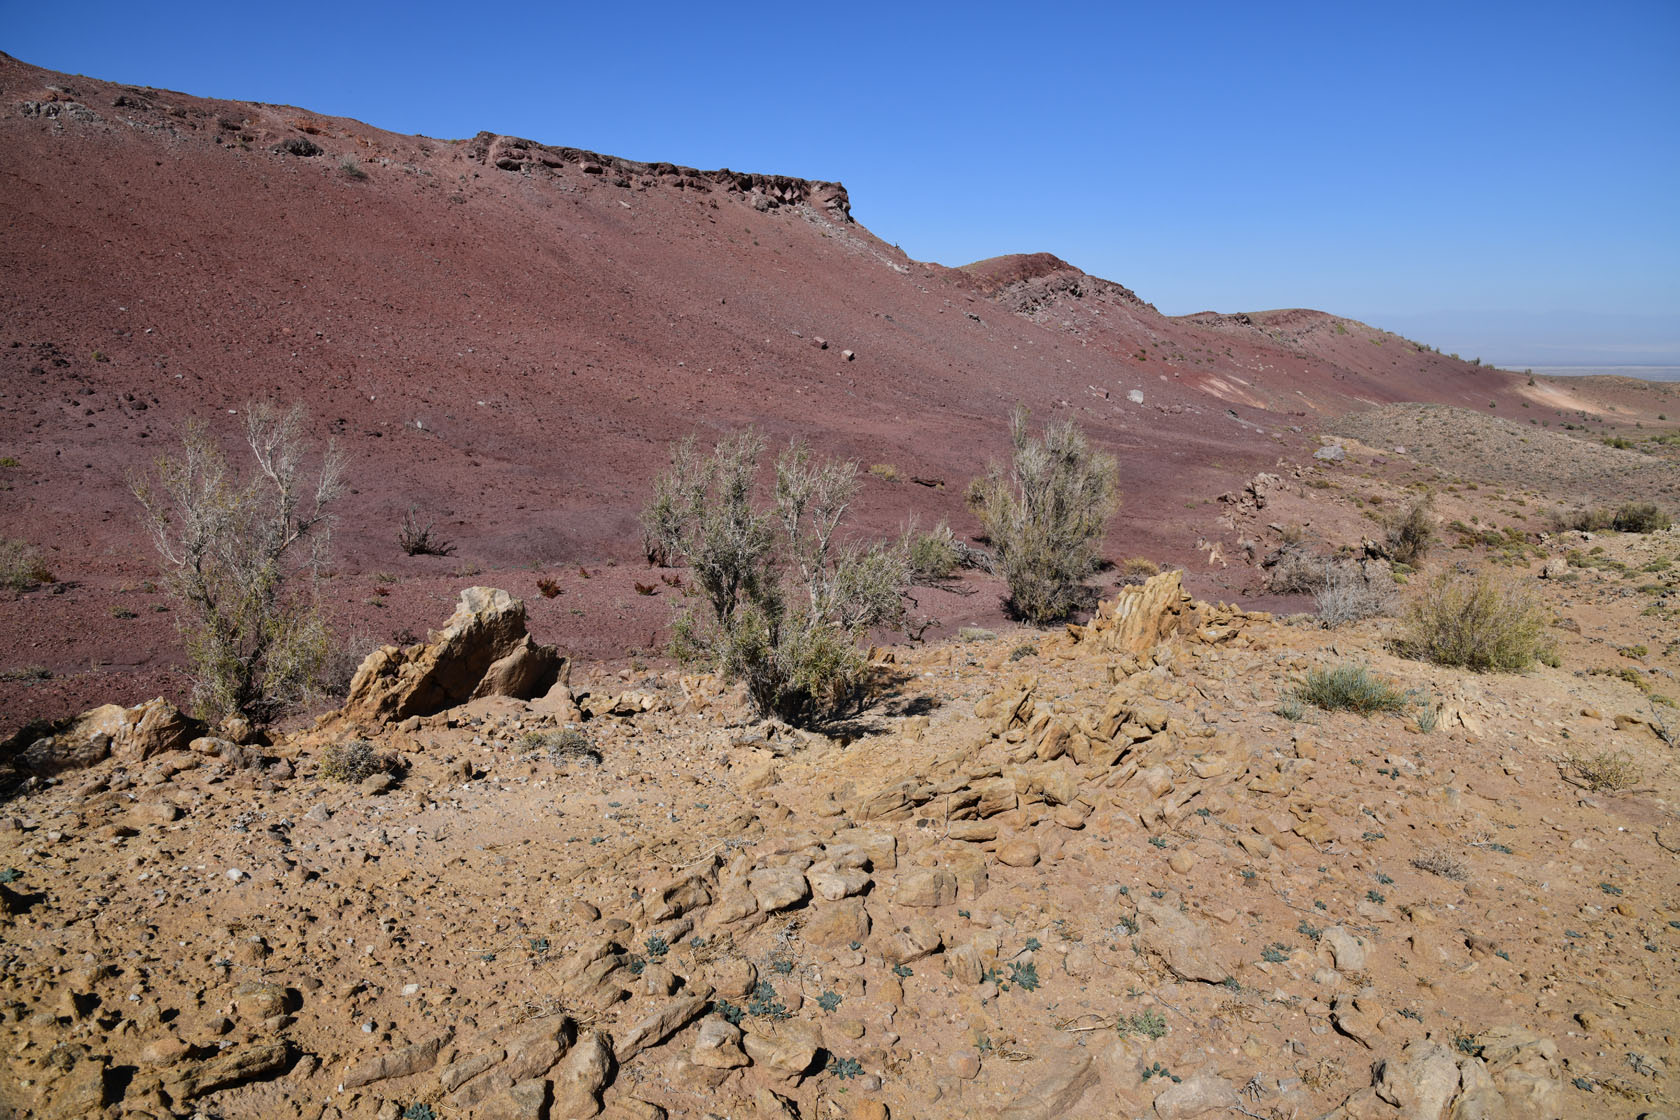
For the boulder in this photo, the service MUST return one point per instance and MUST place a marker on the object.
(1421, 1082)
(1183, 944)
(482, 650)
(128, 734)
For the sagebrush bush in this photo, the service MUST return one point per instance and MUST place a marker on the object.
(1293, 570)
(789, 600)
(354, 761)
(1410, 535)
(1471, 621)
(1352, 592)
(1046, 512)
(1640, 517)
(932, 556)
(22, 565)
(242, 556)
(1603, 772)
(1350, 688)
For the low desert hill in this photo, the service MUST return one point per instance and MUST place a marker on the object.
(505, 336)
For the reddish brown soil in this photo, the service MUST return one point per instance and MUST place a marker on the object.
(507, 337)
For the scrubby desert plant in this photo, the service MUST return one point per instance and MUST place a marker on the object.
(1409, 536)
(1471, 621)
(789, 600)
(1293, 570)
(1352, 592)
(421, 540)
(243, 556)
(354, 761)
(22, 565)
(1640, 517)
(1350, 688)
(1046, 512)
(1602, 772)
(934, 556)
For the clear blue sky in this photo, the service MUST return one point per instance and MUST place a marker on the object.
(1433, 163)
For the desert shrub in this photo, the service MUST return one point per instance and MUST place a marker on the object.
(1472, 621)
(1046, 512)
(933, 556)
(1292, 570)
(562, 745)
(1350, 688)
(1640, 517)
(421, 540)
(242, 556)
(1439, 861)
(886, 472)
(1137, 569)
(1410, 535)
(21, 565)
(789, 601)
(1584, 520)
(353, 761)
(1352, 592)
(1602, 772)
(351, 168)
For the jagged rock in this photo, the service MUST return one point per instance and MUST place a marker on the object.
(839, 923)
(482, 650)
(1342, 949)
(1022, 851)
(918, 939)
(924, 886)
(535, 1050)
(232, 1067)
(770, 1105)
(785, 1050)
(632, 1108)
(398, 1063)
(1195, 1096)
(717, 1045)
(833, 884)
(526, 1100)
(1140, 616)
(1071, 1074)
(451, 1077)
(778, 888)
(129, 734)
(1348, 1017)
(1525, 1067)
(1184, 945)
(580, 1077)
(1421, 1082)
(1479, 1097)
(660, 1025)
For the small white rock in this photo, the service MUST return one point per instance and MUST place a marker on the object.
(236, 875)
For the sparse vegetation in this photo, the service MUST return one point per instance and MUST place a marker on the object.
(1352, 592)
(1640, 517)
(1410, 535)
(562, 745)
(1439, 861)
(354, 761)
(1471, 621)
(933, 556)
(789, 601)
(421, 540)
(1350, 688)
(244, 556)
(886, 472)
(1046, 512)
(21, 565)
(351, 168)
(1602, 772)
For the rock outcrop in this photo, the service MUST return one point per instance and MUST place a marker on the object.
(109, 731)
(482, 650)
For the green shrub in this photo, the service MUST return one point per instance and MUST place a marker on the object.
(1471, 621)
(1640, 517)
(1046, 513)
(241, 555)
(934, 556)
(21, 565)
(1350, 688)
(1594, 520)
(789, 602)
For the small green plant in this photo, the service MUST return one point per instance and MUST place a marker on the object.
(1375, 896)
(1046, 513)
(903, 971)
(656, 947)
(1471, 621)
(1159, 1070)
(1158, 841)
(354, 761)
(1148, 1022)
(1290, 708)
(1310, 932)
(1023, 975)
(829, 1001)
(727, 1011)
(766, 1004)
(1275, 953)
(933, 557)
(419, 1111)
(1352, 688)
(10, 875)
(845, 1068)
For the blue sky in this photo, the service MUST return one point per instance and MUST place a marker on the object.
(1469, 167)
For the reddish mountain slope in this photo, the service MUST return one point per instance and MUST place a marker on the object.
(506, 336)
